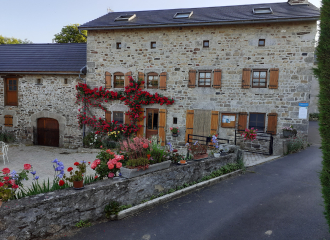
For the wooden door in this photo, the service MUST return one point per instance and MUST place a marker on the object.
(152, 122)
(11, 91)
(48, 132)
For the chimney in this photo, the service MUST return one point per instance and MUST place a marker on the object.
(298, 2)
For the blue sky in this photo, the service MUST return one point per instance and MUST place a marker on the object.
(39, 20)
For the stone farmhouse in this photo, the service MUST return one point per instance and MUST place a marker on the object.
(227, 68)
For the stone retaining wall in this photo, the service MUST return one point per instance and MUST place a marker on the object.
(43, 215)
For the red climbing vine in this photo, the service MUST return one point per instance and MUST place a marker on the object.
(132, 96)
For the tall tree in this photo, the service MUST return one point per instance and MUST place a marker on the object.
(70, 34)
(6, 40)
(323, 73)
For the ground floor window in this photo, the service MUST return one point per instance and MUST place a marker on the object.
(118, 117)
(257, 121)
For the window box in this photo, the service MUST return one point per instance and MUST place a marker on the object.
(131, 173)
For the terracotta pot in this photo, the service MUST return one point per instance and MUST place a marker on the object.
(78, 184)
(183, 161)
(200, 156)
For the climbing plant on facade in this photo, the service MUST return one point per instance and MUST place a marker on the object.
(132, 96)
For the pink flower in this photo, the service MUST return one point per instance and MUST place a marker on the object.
(27, 166)
(111, 175)
(145, 145)
(97, 161)
(110, 166)
(171, 128)
(119, 165)
(93, 165)
(12, 182)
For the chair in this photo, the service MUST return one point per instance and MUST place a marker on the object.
(4, 152)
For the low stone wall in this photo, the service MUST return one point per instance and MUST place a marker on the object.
(43, 215)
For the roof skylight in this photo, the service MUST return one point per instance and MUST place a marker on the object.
(183, 14)
(127, 17)
(262, 10)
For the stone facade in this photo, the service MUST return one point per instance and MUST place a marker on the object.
(43, 96)
(288, 47)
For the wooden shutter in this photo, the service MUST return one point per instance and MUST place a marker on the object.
(192, 78)
(127, 119)
(214, 122)
(108, 116)
(272, 123)
(162, 126)
(242, 121)
(217, 78)
(273, 78)
(189, 123)
(127, 75)
(246, 75)
(107, 80)
(8, 120)
(140, 132)
(141, 77)
(162, 81)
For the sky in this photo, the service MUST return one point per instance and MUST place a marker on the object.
(39, 20)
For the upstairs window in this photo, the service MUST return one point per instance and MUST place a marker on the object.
(183, 15)
(152, 81)
(204, 79)
(119, 79)
(153, 45)
(11, 92)
(206, 43)
(261, 42)
(262, 10)
(257, 121)
(259, 78)
(126, 17)
(118, 45)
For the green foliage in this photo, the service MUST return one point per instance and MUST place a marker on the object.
(314, 115)
(7, 137)
(102, 169)
(82, 224)
(5, 193)
(113, 208)
(175, 157)
(322, 72)
(78, 174)
(6, 40)
(70, 34)
(296, 144)
(140, 163)
(157, 153)
(92, 140)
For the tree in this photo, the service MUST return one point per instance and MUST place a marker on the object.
(70, 34)
(323, 73)
(6, 40)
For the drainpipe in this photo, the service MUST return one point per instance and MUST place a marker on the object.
(82, 34)
(81, 72)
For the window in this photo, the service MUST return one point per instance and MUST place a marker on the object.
(127, 17)
(118, 118)
(257, 121)
(118, 45)
(204, 79)
(11, 92)
(119, 80)
(206, 43)
(65, 81)
(175, 120)
(259, 78)
(153, 45)
(261, 42)
(183, 15)
(152, 81)
(39, 82)
(262, 10)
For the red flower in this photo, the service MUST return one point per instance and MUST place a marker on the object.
(15, 186)
(76, 164)
(61, 183)
(95, 177)
(175, 150)
(1, 184)
(6, 178)
(70, 169)
(6, 170)
(145, 145)
(27, 166)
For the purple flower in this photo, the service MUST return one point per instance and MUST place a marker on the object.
(55, 160)
(34, 172)
(36, 178)
(60, 164)
(60, 175)
(195, 142)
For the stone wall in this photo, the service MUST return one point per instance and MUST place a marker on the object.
(47, 214)
(289, 47)
(52, 98)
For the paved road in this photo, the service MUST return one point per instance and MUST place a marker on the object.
(276, 200)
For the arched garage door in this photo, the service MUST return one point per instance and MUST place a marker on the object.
(48, 132)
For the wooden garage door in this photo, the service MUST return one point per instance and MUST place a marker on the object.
(48, 132)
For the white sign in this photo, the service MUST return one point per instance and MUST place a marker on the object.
(303, 112)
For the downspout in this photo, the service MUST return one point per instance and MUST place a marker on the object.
(81, 72)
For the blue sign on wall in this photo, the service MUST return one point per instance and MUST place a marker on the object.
(303, 104)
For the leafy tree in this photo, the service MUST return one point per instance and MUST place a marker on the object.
(70, 34)
(323, 73)
(6, 40)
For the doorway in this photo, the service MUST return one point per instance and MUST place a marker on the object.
(48, 132)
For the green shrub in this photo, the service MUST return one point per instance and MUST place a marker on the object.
(157, 153)
(7, 137)
(140, 163)
(92, 140)
(296, 144)
(314, 115)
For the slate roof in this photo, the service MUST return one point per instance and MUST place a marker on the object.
(49, 57)
(208, 15)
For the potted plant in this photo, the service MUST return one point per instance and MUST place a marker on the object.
(175, 131)
(77, 177)
(289, 131)
(197, 150)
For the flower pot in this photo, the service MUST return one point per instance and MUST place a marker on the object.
(78, 184)
(200, 156)
(175, 134)
(130, 173)
(216, 155)
(287, 133)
